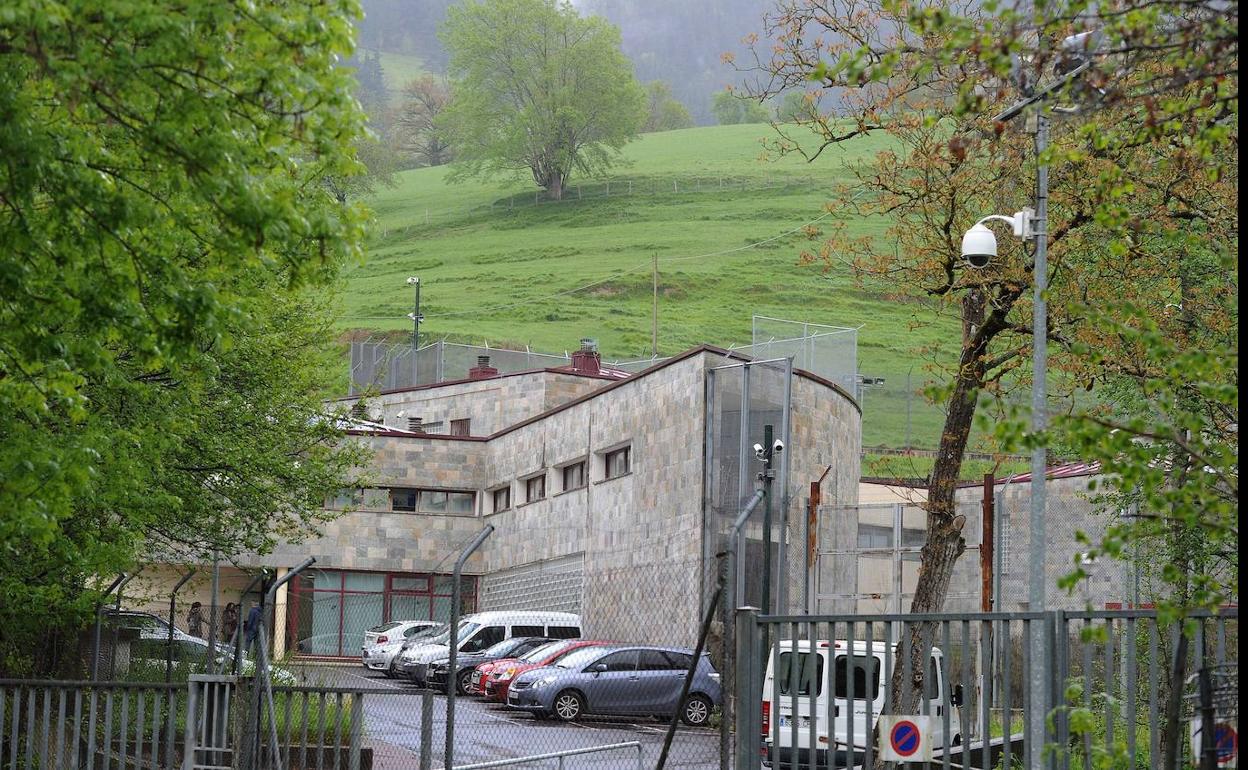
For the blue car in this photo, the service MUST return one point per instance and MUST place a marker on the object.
(619, 681)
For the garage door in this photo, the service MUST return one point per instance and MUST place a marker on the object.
(555, 585)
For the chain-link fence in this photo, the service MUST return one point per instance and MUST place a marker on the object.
(600, 685)
(605, 189)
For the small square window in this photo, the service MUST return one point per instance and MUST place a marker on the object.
(535, 488)
(618, 462)
(403, 499)
(461, 427)
(502, 499)
(574, 476)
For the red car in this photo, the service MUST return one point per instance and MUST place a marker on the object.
(495, 681)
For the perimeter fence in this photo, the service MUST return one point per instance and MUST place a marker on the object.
(604, 189)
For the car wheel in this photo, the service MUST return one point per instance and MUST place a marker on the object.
(569, 705)
(697, 711)
(463, 682)
(391, 672)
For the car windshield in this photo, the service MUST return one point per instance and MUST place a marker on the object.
(502, 648)
(383, 628)
(579, 658)
(444, 636)
(425, 634)
(538, 654)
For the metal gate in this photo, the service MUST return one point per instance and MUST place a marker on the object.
(1118, 687)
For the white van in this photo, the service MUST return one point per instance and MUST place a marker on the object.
(836, 672)
(484, 629)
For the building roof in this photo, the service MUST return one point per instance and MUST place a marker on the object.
(1063, 471)
(690, 353)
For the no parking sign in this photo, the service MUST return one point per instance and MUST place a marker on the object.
(905, 738)
(1225, 741)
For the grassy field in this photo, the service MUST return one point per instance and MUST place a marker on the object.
(398, 69)
(496, 267)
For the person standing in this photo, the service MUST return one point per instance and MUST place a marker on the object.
(229, 621)
(195, 621)
(252, 626)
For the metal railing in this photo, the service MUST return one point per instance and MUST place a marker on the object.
(91, 725)
(556, 755)
(814, 696)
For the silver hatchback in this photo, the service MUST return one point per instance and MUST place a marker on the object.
(623, 681)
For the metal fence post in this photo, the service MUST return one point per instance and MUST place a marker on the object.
(747, 743)
(173, 608)
(453, 642)
(426, 730)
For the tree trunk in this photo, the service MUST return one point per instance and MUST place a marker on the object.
(944, 527)
(554, 185)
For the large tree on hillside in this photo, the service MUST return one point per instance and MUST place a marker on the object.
(415, 128)
(162, 208)
(537, 89)
(1141, 194)
(666, 113)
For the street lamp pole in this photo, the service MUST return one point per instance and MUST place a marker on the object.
(416, 319)
(1039, 366)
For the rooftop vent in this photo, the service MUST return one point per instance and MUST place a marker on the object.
(482, 370)
(415, 424)
(586, 360)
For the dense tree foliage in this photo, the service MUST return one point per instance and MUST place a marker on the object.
(731, 108)
(665, 112)
(1142, 217)
(539, 89)
(415, 130)
(162, 209)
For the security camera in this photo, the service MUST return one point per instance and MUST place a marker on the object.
(777, 447)
(758, 451)
(979, 246)
(1077, 50)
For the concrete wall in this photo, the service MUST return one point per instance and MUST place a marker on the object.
(640, 534)
(490, 404)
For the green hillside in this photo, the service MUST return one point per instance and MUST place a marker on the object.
(698, 197)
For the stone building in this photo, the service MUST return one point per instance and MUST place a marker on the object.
(594, 479)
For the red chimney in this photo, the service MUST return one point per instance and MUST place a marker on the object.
(586, 359)
(482, 370)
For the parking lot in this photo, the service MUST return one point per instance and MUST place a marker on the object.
(488, 731)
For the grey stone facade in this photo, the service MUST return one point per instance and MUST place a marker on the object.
(639, 536)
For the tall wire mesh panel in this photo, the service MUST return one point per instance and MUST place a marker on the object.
(830, 352)
(742, 400)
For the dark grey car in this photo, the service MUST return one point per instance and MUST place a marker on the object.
(631, 681)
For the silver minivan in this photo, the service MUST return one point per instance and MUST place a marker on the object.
(484, 629)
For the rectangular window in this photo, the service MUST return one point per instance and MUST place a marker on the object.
(346, 499)
(329, 611)
(866, 676)
(535, 488)
(461, 427)
(874, 536)
(526, 630)
(459, 502)
(403, 500)
(797, 676)
(574, 476)
(618, 462)
(502, 499)
(563, 632)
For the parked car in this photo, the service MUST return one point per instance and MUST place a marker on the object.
(493, 679)
(483, 629)
(465, 664)
(193, 651)
(150, 626)
(630, 681)
(395, 630)
(810, 674)
(380, 652)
